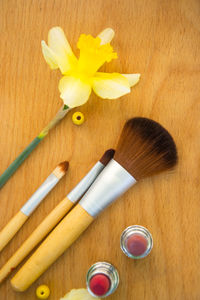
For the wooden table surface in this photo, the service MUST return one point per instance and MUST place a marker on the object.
(159, 39)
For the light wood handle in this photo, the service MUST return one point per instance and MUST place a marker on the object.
(11, 228)
(69, 229)
(37, 236)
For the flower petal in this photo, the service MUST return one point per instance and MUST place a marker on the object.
(74, 91)
(132, 78)
(79, 294)
(61, 51)
(110, 85)
(106, 35)
(58, 42)
(49, 56)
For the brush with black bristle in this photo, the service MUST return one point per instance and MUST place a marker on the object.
(145, 148)
(55, 215)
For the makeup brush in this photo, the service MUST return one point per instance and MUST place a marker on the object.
(145, 148)
(55, 216)
(8, 232)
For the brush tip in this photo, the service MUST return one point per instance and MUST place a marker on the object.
(145, 148)
(64, 165)
(107, 156)
(61, 169)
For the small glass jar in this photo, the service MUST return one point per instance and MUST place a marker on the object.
(136, 241)
(102, 279)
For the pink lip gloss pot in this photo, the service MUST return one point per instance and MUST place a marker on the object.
(102, 279)
(136, 241)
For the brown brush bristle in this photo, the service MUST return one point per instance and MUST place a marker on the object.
(63, 166)
(145, 148)
(108, 155)
(61, 169)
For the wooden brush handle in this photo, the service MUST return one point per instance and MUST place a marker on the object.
(11, 228)
(69, 229)
(37, 236)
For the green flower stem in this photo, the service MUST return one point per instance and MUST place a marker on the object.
(19, 160)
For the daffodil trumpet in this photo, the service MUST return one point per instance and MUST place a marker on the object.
(80, 77)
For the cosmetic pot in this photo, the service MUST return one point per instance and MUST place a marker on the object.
(136, 241)
(102, 279)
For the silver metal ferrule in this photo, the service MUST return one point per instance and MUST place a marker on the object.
(85, 183)
(113, 181)
(39, 195)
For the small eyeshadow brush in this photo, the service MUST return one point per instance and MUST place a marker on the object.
(13, 226)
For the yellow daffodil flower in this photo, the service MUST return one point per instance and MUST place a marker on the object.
(81, 76)
(79, 294)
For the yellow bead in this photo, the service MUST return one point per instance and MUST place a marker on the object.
(78, 118)
(43, 292)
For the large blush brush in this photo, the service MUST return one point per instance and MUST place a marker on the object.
(145, 148)
(55, 215)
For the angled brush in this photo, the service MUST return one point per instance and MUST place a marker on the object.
(55, 215)
(145, 148)
(8, 232)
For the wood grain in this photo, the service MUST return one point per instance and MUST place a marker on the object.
(159, 39)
